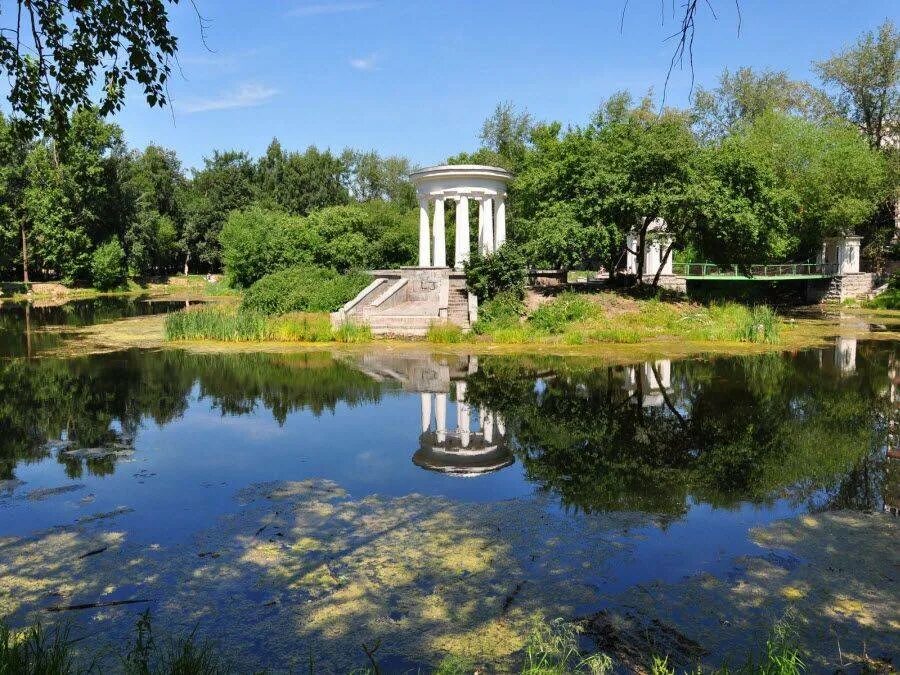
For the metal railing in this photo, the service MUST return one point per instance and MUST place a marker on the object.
(766, 270)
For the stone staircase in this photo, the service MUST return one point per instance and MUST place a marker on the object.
(407, 301)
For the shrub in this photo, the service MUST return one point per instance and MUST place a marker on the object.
(445, 333)
(502, 311)
(504, 270)
(256, 242)
(890, 298)
(108, 265)
(553, 316)
(303, 289)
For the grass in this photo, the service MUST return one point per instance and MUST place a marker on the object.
(578, 319)
(37, 651)
(230, 324)
(445, 333)
(551, 648)
(570, 318)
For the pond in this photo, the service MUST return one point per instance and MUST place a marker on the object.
(303, 503)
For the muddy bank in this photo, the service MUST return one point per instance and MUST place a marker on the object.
(301, 569)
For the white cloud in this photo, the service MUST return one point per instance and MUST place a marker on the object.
(316, 9)
(245, 96)
(364, 62)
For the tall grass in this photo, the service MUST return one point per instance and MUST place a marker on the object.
(568, 307)
(229, 324)
(36, 651)
(445, 333)
(216, 323)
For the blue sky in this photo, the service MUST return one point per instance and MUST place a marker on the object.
(418, 78)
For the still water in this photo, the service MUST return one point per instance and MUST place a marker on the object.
(159, 442)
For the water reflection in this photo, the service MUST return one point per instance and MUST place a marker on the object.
(816, 428)
(23, 325)
(474, 442)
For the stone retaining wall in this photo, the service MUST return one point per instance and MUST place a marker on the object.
(839, 288)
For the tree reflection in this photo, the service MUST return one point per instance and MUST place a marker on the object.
(653, 437)
(97, 400)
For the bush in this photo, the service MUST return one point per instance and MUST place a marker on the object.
(108, 266)
(256, 242)
(504, 310)
(890, 298)
(502, 271)
(553, 316)
(303, 289)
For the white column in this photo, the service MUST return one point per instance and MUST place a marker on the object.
(480, 237)
(487, 428)
(424, 238)
(461, 254)
(440, 239)
(440, 416)
(426, 412)
(462, 414)
(500, 222)
(487, 230)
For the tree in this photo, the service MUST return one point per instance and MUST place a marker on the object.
(507, 133)
(744, 95)
(834, 180)
(153, 187)
(226, 182)
(864, 81)
(57, 56)
(13, 244)
(371, 176)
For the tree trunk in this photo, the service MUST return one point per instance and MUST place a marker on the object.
(642, 245)
(662, 263)
(24, 254)
(187, 258)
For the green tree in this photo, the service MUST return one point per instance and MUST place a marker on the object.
(865, 83)
(371, 176)
(744, 95)
(108, 269)
(154, 187)
(60, 56)
(226, 182)
(834, 181)
(312, 180)
(13, 244)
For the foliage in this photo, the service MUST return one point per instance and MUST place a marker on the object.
(498, 272)
(504, 310)
(147, 656)
(229, 324)
(256, 242)
(373, 177)
(890, 297)
(865, 80)
(552, 649)
(216, 323)
(58, 56)
(108, 266)
(301, 183)
(553, 317)
(303, 289)
(744, 95)
(445, 333)
(36, 651)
